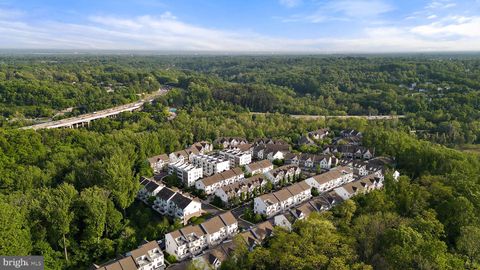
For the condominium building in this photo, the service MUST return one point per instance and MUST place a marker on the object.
(186, 172)
(236, 157)
(211, 164)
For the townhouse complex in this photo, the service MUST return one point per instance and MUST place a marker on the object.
(242, 174)
(191, 240)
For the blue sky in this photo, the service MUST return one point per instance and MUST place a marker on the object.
(233, 25)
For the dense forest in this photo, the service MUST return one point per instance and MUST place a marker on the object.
(69, 194)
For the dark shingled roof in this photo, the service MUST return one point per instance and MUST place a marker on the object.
(165, 193)
(180, 200)
(151, 186)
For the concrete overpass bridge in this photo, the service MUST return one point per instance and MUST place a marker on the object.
(85, 119)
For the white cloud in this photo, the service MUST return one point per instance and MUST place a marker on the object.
(344, 10)
(450, 27)
(290, 3)
(166, 32)
(441, 4)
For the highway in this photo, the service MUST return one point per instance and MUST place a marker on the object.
(85, 119)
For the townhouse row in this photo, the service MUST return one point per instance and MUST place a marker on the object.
(169, 202)
(146, 257)
(255, 185)
(273, 203)
(311, 161)
(192, 240)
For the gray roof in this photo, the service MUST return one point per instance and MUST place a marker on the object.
(165, 193)
(180, 200)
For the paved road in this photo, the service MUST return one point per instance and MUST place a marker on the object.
(86, 118)
(368, 117)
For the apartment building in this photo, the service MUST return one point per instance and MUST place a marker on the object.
(177, 205)
(331, 179)
(261, 167)
(273, 203)
(211, 164)
(192, 240)
(210, 184)
(186, 172)
(236, 157)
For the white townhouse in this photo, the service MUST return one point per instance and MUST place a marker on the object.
(273, 203)
(319, 133)
(261, 166)
(242, 189)
(271, 151)
(310, 161)
(148, 188)
(192, 240)
(176, 205)
(202, 147)
(331, 179)
(364, 185)
(186, 172)
(210, 164)
(287, 173)
(148, 256)
(186, 242)
(159, 162)
(236, 157)
(230, 141)
(210, 184)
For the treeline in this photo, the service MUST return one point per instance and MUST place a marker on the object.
(429, 220)
(439, 94)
